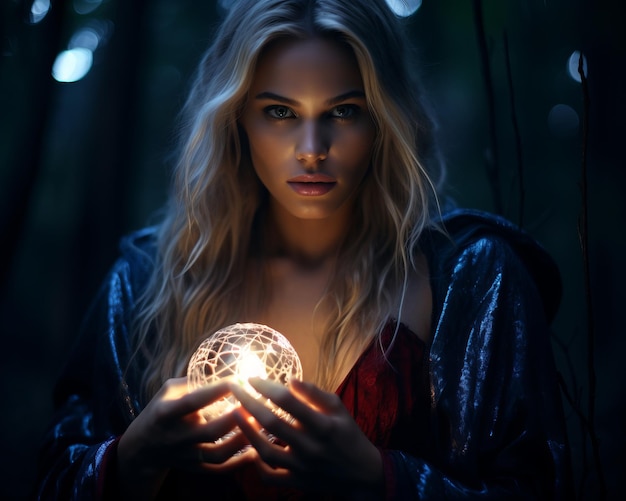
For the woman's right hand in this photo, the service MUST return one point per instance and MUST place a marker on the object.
(171, 433)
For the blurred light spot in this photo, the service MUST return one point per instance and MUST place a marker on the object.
(563, 121)
(102, 28)
(572, 66)
(86, 6)
(85, 38)
(92, 36)
(39, 10)
(72, 65)
(404, 8)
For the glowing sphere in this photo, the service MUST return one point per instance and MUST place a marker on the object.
(240, 352)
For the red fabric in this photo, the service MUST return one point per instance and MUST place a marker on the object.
(388, 396)
(391, 485)
(383, 387)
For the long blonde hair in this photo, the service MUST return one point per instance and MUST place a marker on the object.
(209, 234)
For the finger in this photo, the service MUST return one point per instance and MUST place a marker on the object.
(275, 456)
(281, 396)
(267, 418)
(222, 450)
(321, 400)
(197, 399)
(277, 477)
(215, 429)
(305, 402)
(174, 388)
(242, 456)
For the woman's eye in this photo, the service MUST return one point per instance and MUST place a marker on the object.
(279, 112)
(345, 111)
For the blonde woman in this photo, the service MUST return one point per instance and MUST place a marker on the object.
(305, 198)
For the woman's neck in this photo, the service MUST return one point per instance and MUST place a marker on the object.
(308, 242)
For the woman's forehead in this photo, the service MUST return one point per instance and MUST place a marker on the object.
(294, 65)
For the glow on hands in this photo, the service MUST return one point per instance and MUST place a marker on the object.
(322, 448)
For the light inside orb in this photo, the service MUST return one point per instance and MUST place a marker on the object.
(249, 365)
(242, 351)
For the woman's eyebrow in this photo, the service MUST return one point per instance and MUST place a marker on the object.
(292, 102)
(359, 94)
(276, 97)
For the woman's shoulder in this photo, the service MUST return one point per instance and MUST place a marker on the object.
(140, 242)
(476, 244)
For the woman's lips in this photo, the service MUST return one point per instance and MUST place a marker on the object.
(312, 185)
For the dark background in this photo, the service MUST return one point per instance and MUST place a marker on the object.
(83, 163)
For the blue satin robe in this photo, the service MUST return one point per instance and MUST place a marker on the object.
(496, 427)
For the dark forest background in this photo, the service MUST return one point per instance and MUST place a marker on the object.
(84, 162)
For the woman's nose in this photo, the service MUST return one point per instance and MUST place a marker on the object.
(312, 144)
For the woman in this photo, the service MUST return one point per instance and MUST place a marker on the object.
(305, 199)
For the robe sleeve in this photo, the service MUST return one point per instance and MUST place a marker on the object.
(94, 399)
(496, 412)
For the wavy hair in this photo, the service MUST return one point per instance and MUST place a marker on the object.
(209, 234)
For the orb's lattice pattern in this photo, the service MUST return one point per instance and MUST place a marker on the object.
(241, 351)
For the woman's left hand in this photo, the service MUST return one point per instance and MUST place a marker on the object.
(321, 449)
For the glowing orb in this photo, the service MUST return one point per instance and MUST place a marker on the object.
(240, 352)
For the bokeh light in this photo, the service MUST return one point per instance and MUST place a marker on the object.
(572, 66)
(39, 10)
(563, 121)
(85, 38)
(86, 6)
(404, 8)
(72, 65)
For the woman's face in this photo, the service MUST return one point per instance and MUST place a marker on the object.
(308, 126)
